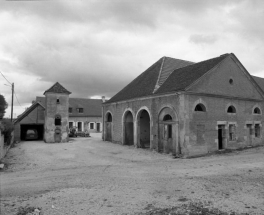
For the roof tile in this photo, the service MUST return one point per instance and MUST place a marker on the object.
(57, 88)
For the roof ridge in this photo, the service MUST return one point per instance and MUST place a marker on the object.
(183, 77)
(157, 83)
(57, 88)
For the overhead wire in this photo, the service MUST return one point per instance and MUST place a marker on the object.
(5, 78)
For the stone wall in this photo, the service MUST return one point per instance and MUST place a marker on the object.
(153, 106)
(56, 133)
(193, 133)
(203, 126)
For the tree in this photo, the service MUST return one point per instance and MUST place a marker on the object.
(3, 106)
(7, 128)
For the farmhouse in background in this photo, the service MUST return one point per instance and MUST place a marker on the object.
(187, 108)
(53, 115)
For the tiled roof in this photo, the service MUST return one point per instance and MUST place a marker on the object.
(91, 107)
(184, 77)
(27, 111)
(260, 81)
(165, 76)
(148, 81)
(168, 66)
(57, 88)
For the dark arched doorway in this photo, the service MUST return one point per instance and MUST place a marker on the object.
(144, 129)
(108, 125)
(128, 129)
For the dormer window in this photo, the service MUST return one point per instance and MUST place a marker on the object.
(70, 110)
(80, 110)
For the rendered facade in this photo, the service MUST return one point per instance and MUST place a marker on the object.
(188, 109)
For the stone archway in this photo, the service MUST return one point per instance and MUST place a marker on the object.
(143, 129)
(168, 132)
(108, 127)
(128, 128)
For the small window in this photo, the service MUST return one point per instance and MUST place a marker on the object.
(167, 118)
(232, 133)
(70, 110)
(70, 124)
(200, 108)
(257, 111)
(257, 130)
(57, 120)
(231, 109)
(91, 125)
(231, 81)
(80, 110)
(58, 101)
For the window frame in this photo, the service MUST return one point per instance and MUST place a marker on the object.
(257, 130)
(203, 108)
(91, 125)
(232, 134)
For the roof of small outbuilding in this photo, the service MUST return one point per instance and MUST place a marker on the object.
(27, 111)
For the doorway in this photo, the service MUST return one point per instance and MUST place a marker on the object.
(221, 131)
(98, 127)
(128, 129)
(249, 134)
(144, 129)
(108, 130)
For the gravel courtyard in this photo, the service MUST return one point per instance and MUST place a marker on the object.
(89, 176)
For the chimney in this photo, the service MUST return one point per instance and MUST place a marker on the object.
(103, 98)
(33, 101)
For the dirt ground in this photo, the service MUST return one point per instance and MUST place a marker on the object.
(89, 176)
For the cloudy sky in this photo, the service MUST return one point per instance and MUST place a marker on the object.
(95, 48)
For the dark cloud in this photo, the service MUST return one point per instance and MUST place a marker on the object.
(97, 47)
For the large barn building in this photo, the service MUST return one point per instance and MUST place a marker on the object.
(187, 108)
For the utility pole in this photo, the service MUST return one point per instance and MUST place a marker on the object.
(12, 102)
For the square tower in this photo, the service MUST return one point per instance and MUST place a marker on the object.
(56, 114)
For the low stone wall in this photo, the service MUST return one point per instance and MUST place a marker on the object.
(4, 149)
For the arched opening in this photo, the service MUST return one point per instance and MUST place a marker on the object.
(168, 127)
(108, 129)
(231, 109)
(57, 120)
(168, 131)
(109, 117)
(257, 111)
(144, 129)
(128, 129)
(200, 108)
